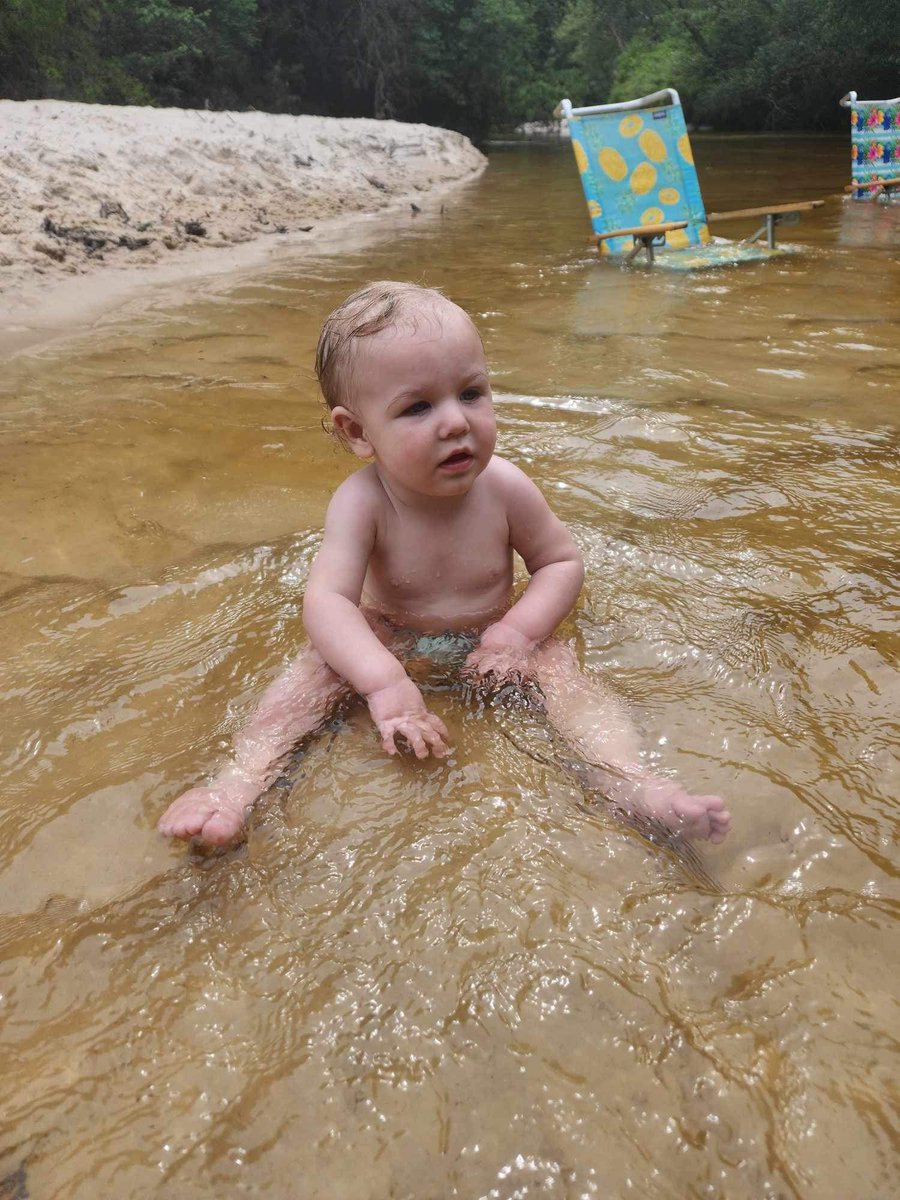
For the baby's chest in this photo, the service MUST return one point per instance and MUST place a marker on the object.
(473, 556)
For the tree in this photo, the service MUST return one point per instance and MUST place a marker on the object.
(474, 65)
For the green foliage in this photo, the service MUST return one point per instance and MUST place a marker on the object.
(474, 65)
(589, 38)
(469, 60)
(645, 66)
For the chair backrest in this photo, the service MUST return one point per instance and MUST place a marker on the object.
(637, 168)
(874, 138)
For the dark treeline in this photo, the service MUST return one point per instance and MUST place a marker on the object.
(473, 65)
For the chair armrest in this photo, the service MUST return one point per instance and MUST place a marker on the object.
(769, 210)
(870, 183)
(642, 230)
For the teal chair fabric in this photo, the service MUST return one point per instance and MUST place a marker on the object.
(637, 168)
(874, 143)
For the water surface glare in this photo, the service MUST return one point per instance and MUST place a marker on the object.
(457, 979)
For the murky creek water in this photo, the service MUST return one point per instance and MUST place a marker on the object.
(455, 979)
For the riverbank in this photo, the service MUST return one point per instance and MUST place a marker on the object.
(96, 200)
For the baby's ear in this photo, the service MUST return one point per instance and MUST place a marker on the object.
(350, 431)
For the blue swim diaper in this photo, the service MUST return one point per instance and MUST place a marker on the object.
(443, 648)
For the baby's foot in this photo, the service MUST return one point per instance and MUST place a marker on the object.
(214, 814)
(662, 800)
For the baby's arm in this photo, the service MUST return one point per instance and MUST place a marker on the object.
(556, 569)
(343, 636)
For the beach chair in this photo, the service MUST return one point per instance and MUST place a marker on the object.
(643, 196)
(874, 148)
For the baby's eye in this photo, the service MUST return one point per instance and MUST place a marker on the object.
(470, 395)
(414, 410)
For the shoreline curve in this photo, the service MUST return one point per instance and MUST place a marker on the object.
(98, 202)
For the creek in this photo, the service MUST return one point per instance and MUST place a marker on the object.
(455, 979)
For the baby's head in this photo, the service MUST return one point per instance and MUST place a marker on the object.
(371, 310)
(402, 370)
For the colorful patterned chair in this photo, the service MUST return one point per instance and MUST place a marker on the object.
(639, 180)
(874, 147)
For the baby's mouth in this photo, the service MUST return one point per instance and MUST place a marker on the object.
(458, 458)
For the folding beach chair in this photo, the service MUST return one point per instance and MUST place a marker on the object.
(874, 148)
(637, 172)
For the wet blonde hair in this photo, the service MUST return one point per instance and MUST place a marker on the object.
(373, 308)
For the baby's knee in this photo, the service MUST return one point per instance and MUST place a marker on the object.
(556, 657)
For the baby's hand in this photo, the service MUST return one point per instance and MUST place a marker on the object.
(214, 814)
(503, 654)
(400, 709)
(503, 665)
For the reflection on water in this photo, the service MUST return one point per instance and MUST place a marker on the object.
(457, 978)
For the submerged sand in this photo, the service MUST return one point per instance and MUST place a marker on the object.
(94, 190)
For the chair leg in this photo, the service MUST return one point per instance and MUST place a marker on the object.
(772, 219)
(642, 242)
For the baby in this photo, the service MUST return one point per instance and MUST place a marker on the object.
(420, 541)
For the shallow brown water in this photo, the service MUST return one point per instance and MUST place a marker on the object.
(453, 979)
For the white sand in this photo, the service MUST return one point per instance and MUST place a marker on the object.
(143, 173)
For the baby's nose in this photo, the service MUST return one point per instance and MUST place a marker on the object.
(454, 418)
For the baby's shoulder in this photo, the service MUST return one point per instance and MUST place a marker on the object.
(519, 497)
(507, 480)
(359, 496)
(361, 485)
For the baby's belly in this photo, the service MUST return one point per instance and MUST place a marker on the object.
(438, 613)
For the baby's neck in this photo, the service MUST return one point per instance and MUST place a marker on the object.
(438, 507)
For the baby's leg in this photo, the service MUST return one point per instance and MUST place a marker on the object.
(595, 723)
(297, 703)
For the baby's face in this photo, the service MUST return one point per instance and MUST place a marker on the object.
(422, 397)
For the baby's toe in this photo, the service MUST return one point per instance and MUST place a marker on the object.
(699, 827)
(719, 824)
(178, 825)
(220, 828)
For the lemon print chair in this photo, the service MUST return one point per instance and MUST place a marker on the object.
(639, 180)
(874, 148)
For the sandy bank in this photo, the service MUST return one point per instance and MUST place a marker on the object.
(122, 194)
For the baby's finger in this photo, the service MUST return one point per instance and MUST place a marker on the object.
(414, 735)
(437, 744)
(438, 725)
(388, 745)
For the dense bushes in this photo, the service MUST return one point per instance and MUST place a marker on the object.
(474, 65)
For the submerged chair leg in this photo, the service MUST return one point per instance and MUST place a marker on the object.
(773, 219)
(648, 242)
(768, 228)
(641, 243)
(644, 237)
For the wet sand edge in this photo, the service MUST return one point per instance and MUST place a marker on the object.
(37, 310)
